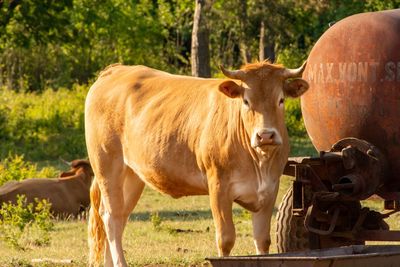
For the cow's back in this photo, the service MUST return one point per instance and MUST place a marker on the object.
(65, 196)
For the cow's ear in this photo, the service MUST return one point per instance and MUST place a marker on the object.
(66, 174)
(230, 89)
(295, 88)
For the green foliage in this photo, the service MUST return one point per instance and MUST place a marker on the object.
(47, 126)
(24, 224)
(59, 43)
(15, 168)
(56, 44)
(293, 118)
(375, 5)
(156, 221)
(301, 146)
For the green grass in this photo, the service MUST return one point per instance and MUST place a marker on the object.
(185, 237)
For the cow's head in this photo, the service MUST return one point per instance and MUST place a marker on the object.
(79, 166)
(262, 88)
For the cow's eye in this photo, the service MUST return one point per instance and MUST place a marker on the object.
(246, 102)
(281, 101)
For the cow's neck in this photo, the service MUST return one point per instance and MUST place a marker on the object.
(263, 168)
(82, 177)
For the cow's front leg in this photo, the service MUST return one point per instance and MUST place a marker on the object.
(221, 207)
(261, 228)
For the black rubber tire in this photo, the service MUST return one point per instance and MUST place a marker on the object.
(291, 235)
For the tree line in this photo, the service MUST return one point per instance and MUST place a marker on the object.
(54, 44)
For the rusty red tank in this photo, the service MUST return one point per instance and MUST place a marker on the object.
(354, 76)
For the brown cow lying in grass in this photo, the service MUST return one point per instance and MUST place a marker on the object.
(68, 194)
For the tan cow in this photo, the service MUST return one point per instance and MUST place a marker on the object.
(186, 136)
(69, 195)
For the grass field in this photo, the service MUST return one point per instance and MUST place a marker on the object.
(185, 235)
(161, 231)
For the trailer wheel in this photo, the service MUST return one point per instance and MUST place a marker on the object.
(291, 235)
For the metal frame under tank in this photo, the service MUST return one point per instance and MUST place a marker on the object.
(327, 191)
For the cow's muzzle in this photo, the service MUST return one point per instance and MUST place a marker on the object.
(265, 138)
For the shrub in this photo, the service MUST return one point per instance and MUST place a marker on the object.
(15, 168)
(156, 221)
(292, 57)
(42, 126)
(23, 224)
(294, 118)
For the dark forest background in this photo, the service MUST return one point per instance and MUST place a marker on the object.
(46, 43)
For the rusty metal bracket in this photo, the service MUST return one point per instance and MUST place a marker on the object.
(316, 181)
(378, 235)
(393, 205)
(365, 167)
(311, 214)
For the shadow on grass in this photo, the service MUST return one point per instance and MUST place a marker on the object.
(186, 215)
(173, 215)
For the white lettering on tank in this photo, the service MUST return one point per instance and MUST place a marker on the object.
(362, 72)
(321, 73)
(342, 71)
(366, 72)
(329, 67)
(311, 73)
(390, 68)
(374, 66)
(352, 72)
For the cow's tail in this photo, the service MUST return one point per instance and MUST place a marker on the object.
(96, 231)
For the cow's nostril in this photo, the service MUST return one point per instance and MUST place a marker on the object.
(265, 136)
(271, 135)
(259, 136)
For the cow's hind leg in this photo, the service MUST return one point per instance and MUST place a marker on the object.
(120, 193)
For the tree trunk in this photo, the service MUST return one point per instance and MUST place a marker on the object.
(244, 47)
(261, 49)
(200, 42)
(266, 48)
(270, 51)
